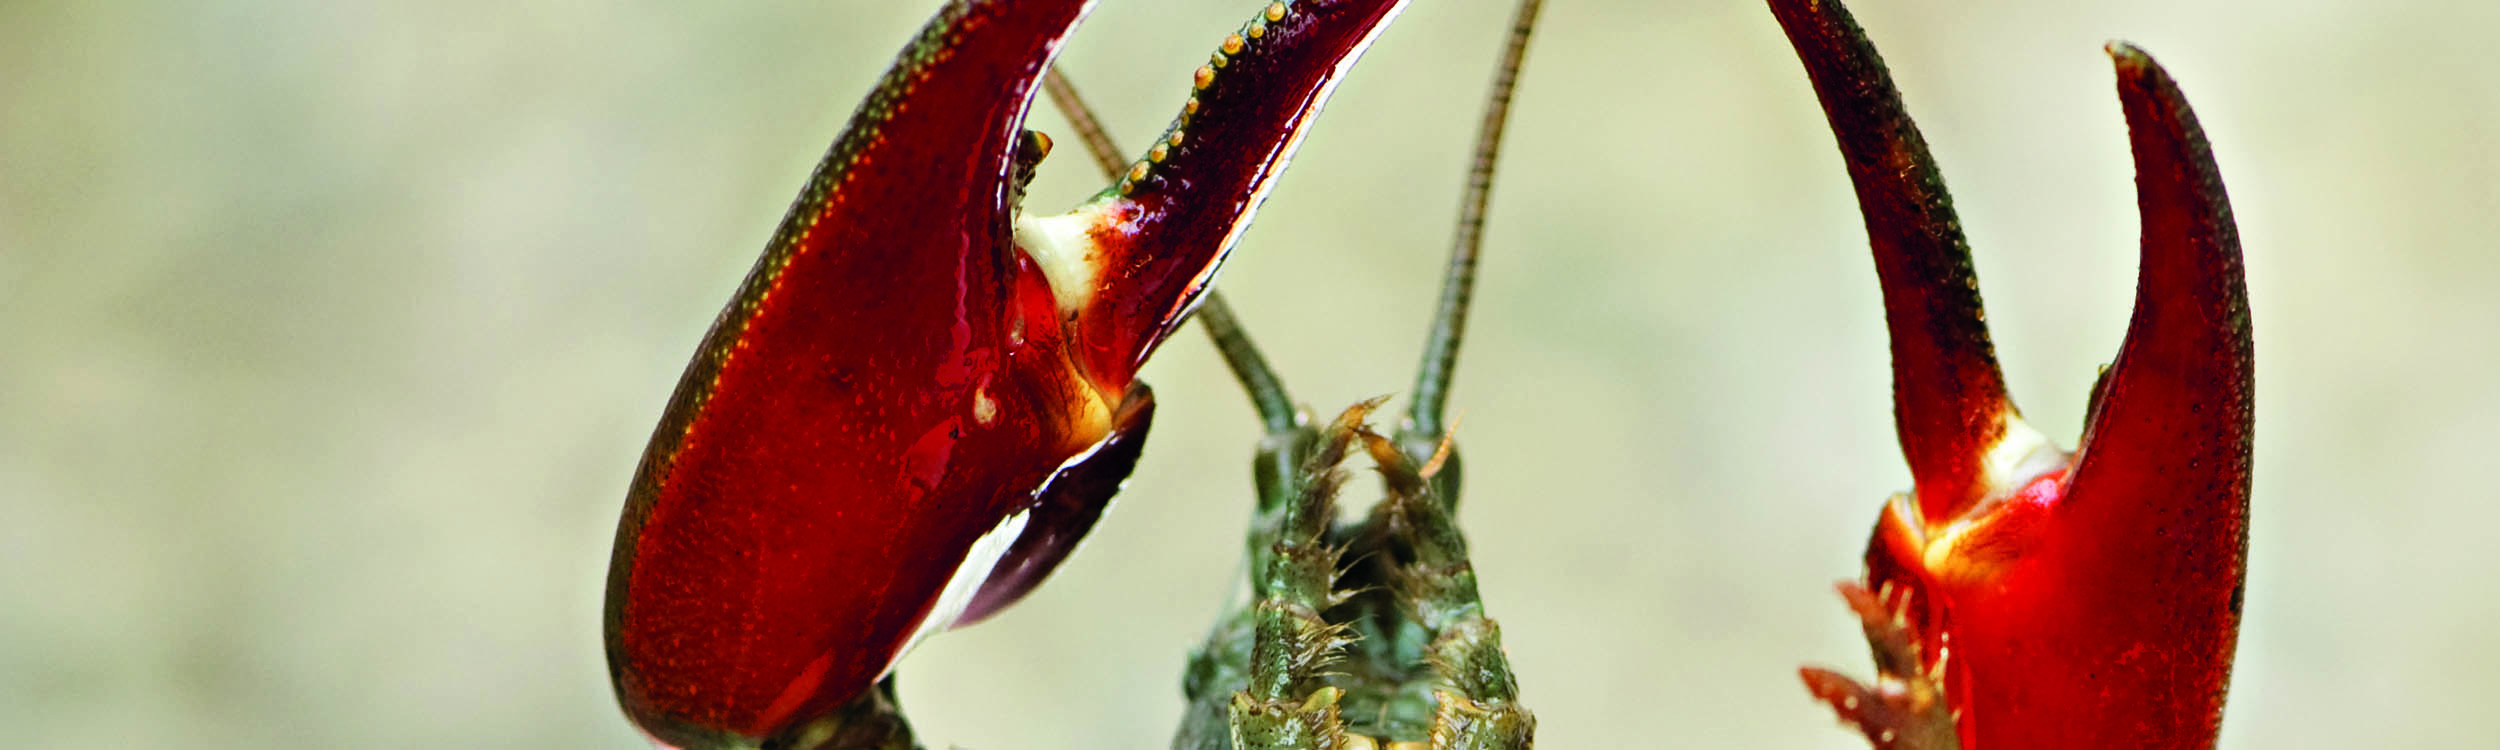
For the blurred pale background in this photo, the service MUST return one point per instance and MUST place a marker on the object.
(333, 332)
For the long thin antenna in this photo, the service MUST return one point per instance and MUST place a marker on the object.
(1267, 393)
(1088, 128)
(1449, 323)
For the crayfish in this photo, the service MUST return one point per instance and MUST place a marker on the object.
(923, 396)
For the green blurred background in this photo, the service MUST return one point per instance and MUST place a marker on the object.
(332, 332)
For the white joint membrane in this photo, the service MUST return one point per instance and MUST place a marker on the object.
(1063, 247)
(2020, 455)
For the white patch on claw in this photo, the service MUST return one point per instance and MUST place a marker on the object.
(1063, 247)
(2020, 455)
(969, 575)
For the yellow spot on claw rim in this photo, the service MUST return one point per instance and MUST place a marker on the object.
(1233, 44)
(1204, 77)
(1275, 11)
(1137, 172)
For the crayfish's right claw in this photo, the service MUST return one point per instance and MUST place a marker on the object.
(2066, 601)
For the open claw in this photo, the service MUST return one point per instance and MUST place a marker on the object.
(2089, 600)
(920, 398)
(1129, 265)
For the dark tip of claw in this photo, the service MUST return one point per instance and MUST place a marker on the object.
(2169, 441)
(1949, 401)
(2179, 395)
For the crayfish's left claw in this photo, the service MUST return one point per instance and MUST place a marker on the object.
(837, 449)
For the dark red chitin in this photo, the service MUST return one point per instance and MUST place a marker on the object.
(894, 400)
(2083, 601)
(858, 416)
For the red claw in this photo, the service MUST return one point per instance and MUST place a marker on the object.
(919, 399)
(2057, 601)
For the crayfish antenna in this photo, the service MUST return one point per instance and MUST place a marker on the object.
(1449, 321)
(1425, 433)
(1949, 401)
(1089, 129)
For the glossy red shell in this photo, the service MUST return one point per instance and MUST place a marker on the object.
(896, 378)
